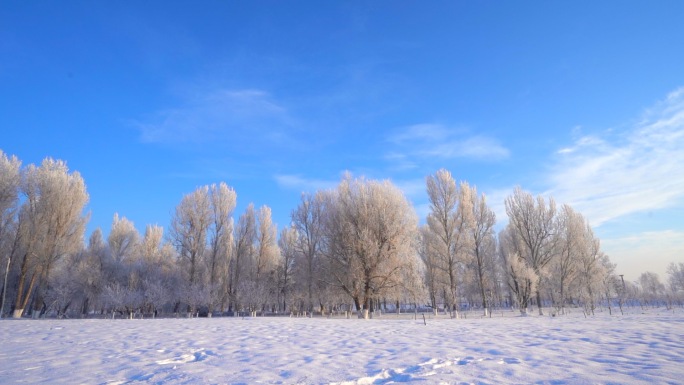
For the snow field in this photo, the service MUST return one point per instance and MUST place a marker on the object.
(630, 349)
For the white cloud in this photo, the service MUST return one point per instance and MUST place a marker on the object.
(222, 116)
(610, 176)
(400, 162)
(296, 182)
(476, 147)
(420, 132)
(428, 141)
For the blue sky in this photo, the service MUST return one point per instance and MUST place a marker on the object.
(582, 101)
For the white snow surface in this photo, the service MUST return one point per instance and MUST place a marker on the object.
(631, 349)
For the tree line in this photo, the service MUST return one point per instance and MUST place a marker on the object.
(356, 247)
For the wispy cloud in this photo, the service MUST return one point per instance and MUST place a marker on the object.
(400, 162)
(609, 176)
(220, 116)
(429, 141)
(476, 147)
(420, 132)
(298, 182)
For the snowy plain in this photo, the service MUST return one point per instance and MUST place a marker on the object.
(631, 349)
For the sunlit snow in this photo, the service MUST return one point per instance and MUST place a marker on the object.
(631, 349)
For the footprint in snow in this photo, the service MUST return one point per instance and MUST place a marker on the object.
(198, 355)
(423, 370)
(509, 361)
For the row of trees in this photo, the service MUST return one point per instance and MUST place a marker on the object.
(358, 247)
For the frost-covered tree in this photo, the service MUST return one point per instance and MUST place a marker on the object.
(287, 243)
(483, 243)
(675, 272)
(675, 283)
(357, 243)
(161, 278)
(522, 280)
(240, 266)
(370, 229)
(51, 225)
(564, 267)
(157, 274)
(412, 288)
(150, 246)
(265, 263)
(94, 272)
(652, 288)
(125, 298)
(520, 276)
(535, 226)
(223, 200)
(307, 220)
(450, 222)
(125, 267)
(189, 229)
(64, 290)
(10, 179)
(591, 270)
(123, 239)
(202, 232)
(609, 283)
(501, 292)
(431, 267)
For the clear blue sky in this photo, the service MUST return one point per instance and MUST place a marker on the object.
(148, 100)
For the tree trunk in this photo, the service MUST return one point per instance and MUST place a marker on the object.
(39, 303)
(4, 287)
(84, 308)
(482, 292)
(562, 296)
(21, 302)
(539, 302)
(362, 309)
(310, 285)
(524, 302)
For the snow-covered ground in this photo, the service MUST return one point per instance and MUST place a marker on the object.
(631, 349)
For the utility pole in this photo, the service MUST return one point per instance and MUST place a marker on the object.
(622, 293)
